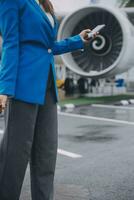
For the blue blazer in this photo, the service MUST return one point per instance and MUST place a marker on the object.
(28, 49)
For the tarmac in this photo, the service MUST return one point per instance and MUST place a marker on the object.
(95, 154)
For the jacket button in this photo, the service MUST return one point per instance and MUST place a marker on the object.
(49, 50)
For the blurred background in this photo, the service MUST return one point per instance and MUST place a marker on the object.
(105, 67)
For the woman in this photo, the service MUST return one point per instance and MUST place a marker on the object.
(28, 95)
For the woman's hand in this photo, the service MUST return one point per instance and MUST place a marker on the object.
(3, 102)
(84, 35)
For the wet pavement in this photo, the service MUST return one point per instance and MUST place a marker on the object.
(113, 112)
(105, 170)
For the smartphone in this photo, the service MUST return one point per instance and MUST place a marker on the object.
(95, 30)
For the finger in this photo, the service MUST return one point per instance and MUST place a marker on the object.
(95, 35)
(4, 103)
(87, 30)
(2, 109)
(86, 34)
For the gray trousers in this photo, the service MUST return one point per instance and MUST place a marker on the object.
(30, 135)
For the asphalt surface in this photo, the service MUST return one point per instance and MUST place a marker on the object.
(105, 170)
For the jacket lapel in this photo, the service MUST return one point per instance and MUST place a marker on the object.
(44, 15)
(56, 25)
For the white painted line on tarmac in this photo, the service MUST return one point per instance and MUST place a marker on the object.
(60, 151)
(96, 118)
(69, 154)
(1, 131)
(110, 106)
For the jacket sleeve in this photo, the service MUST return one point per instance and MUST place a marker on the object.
(68, 45)
(9, 17)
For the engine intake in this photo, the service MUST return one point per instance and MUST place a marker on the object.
(104, 55)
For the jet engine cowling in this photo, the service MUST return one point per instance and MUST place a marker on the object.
(110, 53)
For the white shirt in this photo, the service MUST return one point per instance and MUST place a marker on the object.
(48, 14)
(50, 18)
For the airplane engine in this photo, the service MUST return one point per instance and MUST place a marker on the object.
(111, 52)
